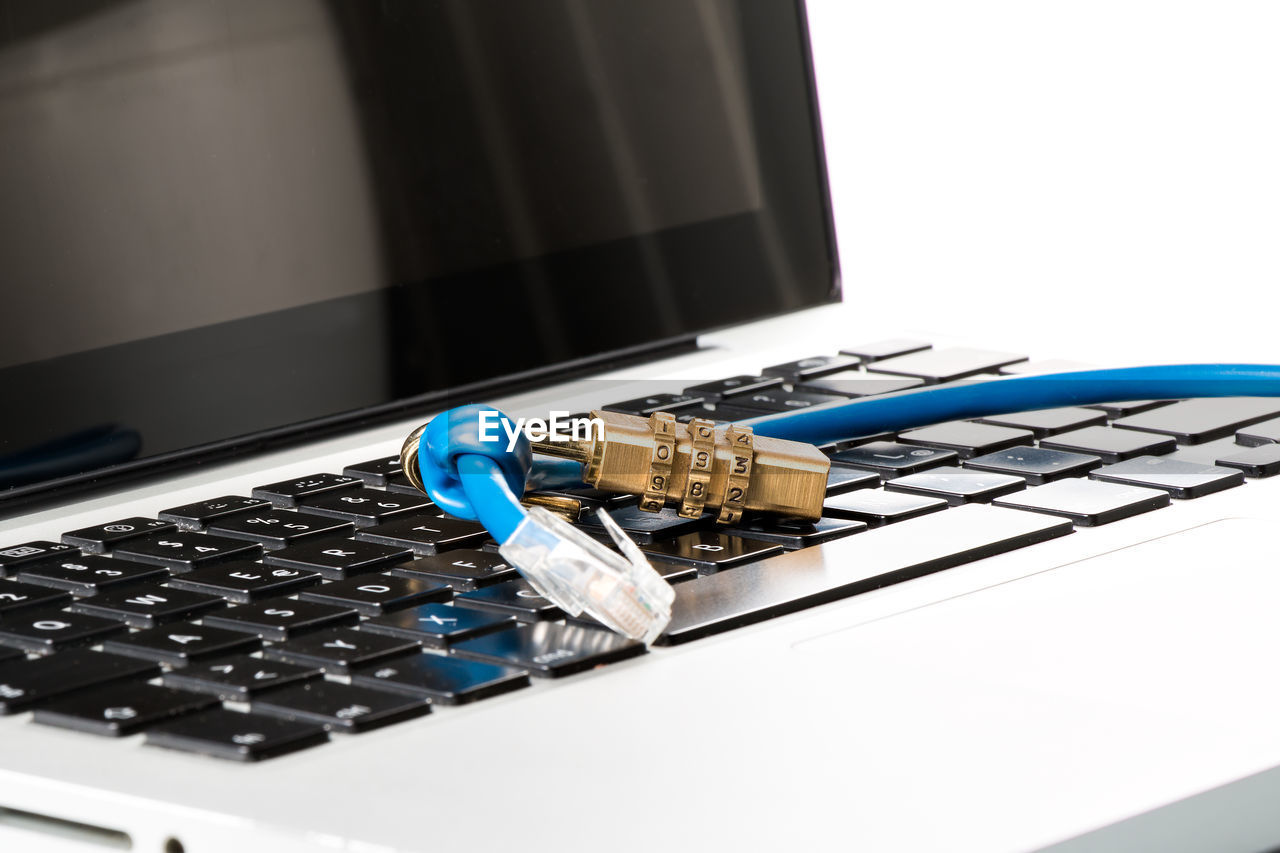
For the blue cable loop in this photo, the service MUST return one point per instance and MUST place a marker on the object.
(470, 477)
(480, 480)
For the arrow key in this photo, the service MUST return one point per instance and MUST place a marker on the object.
(239, 678)
(437, 625)
(121, 709)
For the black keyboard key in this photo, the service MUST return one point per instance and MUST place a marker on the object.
(238, 678)
(1266, 432)
(877, 507)
(376, 472)
(463, 569)
(7, 655)
(588, 497)
(550, 649)
(444, 680)
(710, 550)
(15, 596)
(946, 365)
(1181, 480)
(513, 598)
(344, 708)
(645, 527)
(239, 737)
(1204, 419)
(195, 516)
(91, 575)
(48, 630)
(401, 486)
(185, 551)
(426, 535)
(279, 528)
(813, 576)
(1035, 464)
(121, 709)
(243, 582)
(1040, 367)
(339, 558)
(180, 643)
(841, 479)
(776, 400)
(1205, 454)
(374, 595)
(967, 439)
(1048, 422)
(1128, 407)
(282, 618)
(958, 485)
(366, 507)
(721, 413)
(289, 492)
(844, 444)
(646, 406)
(812, 368)
(1111, 445)
(27, 554)
(575, 503)
(1086, 502)
(1260, 461)
(792, 533)
(877, 350)
(890, 459)
(437, 625)
(101, 537)
(743, 384)
(675, 572)
(24, 683)
(147, 605)
(857, 383)
(341, 649)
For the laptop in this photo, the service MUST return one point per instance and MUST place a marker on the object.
(249, 246)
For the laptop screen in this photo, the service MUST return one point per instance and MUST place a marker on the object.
(225, 221)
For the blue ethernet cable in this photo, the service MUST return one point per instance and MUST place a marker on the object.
(907, 409)
(471, 478)
(481, 480)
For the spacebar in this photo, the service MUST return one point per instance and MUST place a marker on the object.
(800, 579)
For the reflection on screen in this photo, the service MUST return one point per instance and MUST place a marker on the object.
(168, 164)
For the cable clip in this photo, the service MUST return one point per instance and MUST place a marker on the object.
(578, 573)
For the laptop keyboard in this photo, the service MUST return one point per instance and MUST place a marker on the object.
(250, 626)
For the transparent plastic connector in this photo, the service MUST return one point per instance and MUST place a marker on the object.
(578, 573)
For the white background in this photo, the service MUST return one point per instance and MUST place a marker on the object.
(1045, 173)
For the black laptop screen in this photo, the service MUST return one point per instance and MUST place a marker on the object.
(223, 220)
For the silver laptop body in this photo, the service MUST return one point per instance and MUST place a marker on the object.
(259, 276)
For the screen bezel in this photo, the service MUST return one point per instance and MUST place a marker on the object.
(201, 389)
